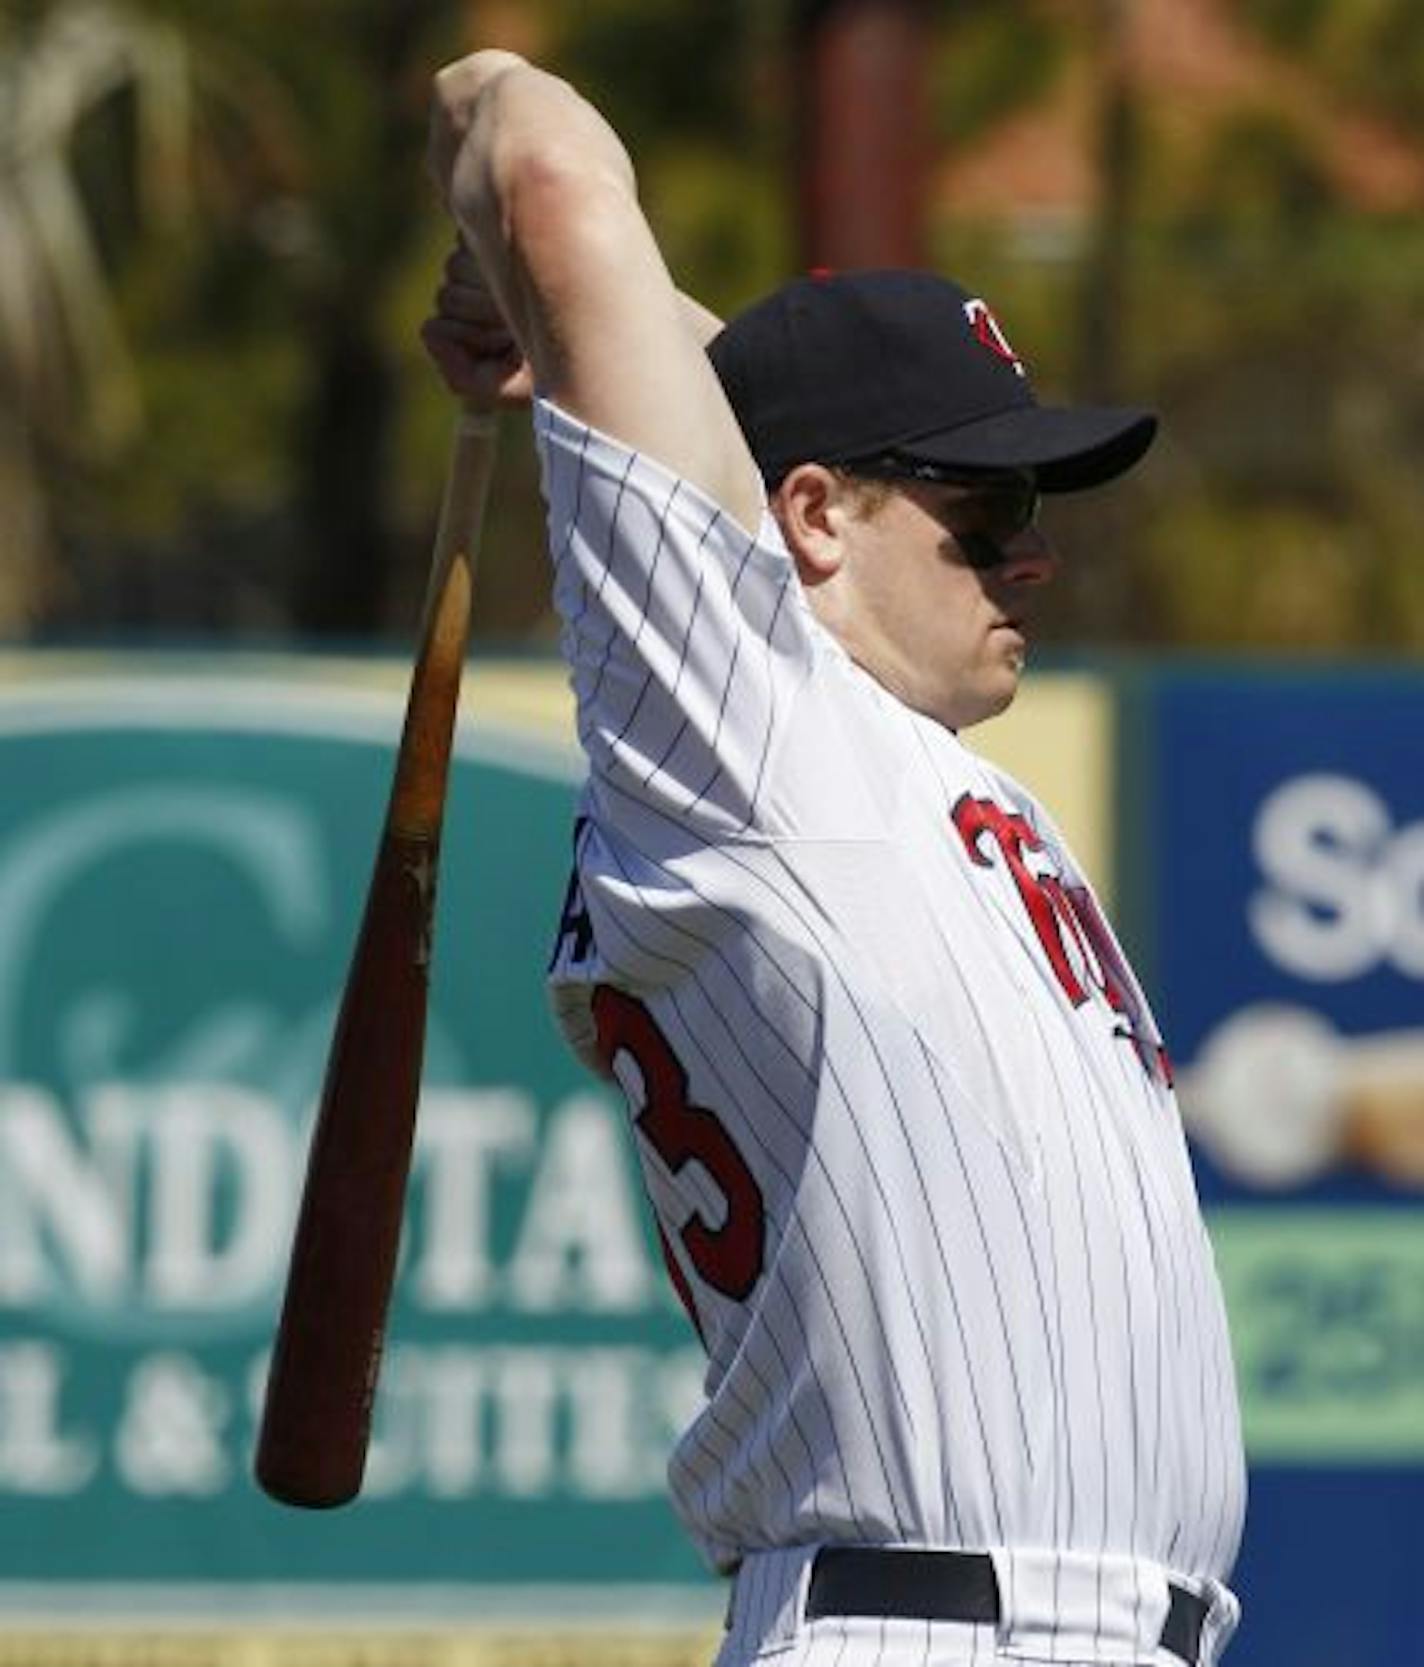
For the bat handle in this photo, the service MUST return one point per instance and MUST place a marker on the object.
(417, 802)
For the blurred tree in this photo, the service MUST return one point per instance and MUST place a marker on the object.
(862, 156)
(335, 235)
(1371, 51)
(372, 205)
(1232, 259)
(68, 387)
(1107, 594)
(278, 480)
(264, 363)
(1216, 259)
(990, 61)
(700, 92)
(1105, 326)
(1290, 367)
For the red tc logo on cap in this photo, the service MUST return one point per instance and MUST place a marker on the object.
(989, 332)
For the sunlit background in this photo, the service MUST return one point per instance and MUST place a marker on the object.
(218, 243)
(221, 454)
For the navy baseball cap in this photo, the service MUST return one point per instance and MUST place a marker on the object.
(845, 367)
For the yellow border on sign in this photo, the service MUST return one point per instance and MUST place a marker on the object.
(1057, 738)
(379, 1647)
(533, 693)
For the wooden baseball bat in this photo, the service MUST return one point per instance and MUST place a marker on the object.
(317, 1418)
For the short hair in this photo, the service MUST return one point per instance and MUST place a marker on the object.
(869, 493)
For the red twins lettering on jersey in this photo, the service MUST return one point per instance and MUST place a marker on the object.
(990, 333)
(1069, 927)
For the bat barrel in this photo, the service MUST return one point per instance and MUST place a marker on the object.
(322, 1383)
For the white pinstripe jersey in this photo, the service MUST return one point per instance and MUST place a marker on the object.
(901, 1108)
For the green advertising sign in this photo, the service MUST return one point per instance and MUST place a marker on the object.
(183, 856)
(1327, 1320)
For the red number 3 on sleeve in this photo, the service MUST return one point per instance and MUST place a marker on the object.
(728, 1257)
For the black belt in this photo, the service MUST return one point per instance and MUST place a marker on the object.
(949, 1586)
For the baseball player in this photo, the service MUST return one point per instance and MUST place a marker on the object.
(905, 1119)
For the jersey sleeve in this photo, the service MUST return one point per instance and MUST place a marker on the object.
(686, 635)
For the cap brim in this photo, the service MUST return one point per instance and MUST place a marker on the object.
(1068, 448)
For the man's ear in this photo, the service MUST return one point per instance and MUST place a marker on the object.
(811, 510)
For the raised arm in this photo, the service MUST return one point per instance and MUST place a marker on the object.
(544, 193)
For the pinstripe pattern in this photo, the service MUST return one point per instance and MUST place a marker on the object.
(986, 1313)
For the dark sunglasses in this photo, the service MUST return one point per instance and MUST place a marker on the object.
(999, 506)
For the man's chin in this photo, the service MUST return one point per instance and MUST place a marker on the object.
(995, 696)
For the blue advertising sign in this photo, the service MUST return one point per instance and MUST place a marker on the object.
(1288, 906)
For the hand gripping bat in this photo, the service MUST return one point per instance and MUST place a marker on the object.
(311, 1449)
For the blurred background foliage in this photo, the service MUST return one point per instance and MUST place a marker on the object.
(217, 243)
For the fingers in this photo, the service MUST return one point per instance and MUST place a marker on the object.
(464, 292)
(452, 357)
(461, 267)
(468, 318)
(468, 369)
(474, 306)
(468, 340)
(453, 335)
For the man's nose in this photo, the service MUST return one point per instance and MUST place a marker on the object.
(1029, 559)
